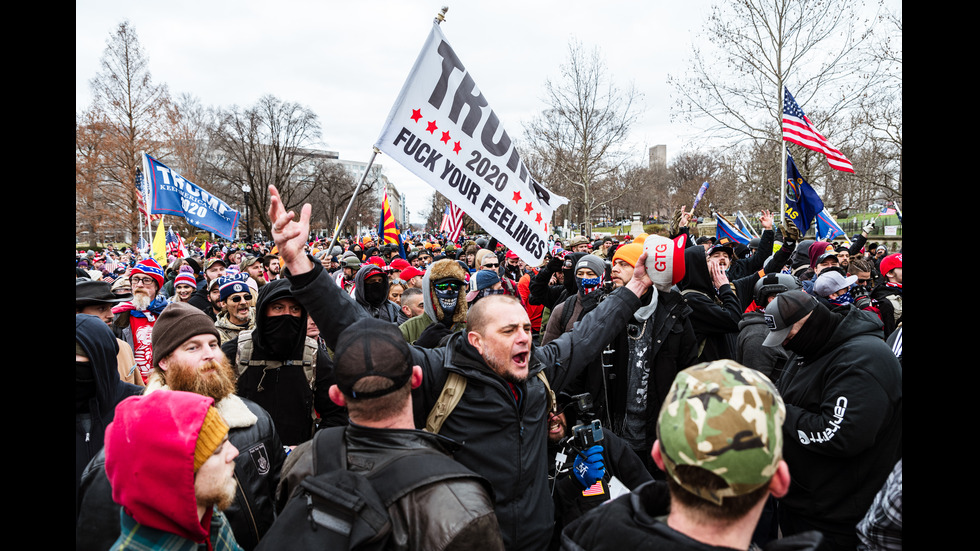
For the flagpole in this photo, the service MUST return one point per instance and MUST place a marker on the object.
(782, 164)
(441, 16)
(354, 197)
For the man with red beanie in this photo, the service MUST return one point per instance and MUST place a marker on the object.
(172, 470)
(134, 320)
(889, 295)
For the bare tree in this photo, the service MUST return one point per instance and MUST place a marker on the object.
(581, 135)
(753, 48)
(879, 122)
(98, 209)
(132, 105)
(270, 143)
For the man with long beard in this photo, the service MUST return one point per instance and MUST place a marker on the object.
(134, 319)
(188, 358)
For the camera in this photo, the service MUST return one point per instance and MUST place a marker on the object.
(587, 435)
(862, 296)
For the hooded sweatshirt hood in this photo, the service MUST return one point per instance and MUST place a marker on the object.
(696, 275)
(149, 461)
(360, 289)
(264, 336)
(101, 347)
(439, 270)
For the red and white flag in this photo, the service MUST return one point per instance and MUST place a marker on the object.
(798, 129)
(452, 222)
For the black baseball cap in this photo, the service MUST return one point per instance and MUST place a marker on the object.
(370, 347)
(785, 310)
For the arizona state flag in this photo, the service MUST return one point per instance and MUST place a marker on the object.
(388, 227)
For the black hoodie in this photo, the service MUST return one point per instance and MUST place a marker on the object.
(715, 314)
(95, 397)
(286, 393)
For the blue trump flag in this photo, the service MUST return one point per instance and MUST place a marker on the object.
(172, 194)
(827, 228)
(802, 202)
(727, 229)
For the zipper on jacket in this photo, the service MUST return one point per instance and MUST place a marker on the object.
(247, 507)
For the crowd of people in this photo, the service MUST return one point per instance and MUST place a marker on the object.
(667, 391)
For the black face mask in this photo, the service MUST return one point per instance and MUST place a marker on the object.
(375, 293)
(513, 272)
(281, 333)
(84, 385)
(815, 333)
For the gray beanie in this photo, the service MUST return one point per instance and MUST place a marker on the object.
(593, 263)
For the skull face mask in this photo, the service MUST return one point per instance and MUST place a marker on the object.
(447, 291)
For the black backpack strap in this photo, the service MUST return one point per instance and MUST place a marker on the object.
(329, 450)
(405, 472)
(411, 471)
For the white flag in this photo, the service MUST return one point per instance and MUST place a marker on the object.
(443, 130)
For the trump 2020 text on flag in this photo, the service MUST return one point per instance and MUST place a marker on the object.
(442, 129)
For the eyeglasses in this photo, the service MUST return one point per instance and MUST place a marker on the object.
(491, 265)
(238, 298)
(144, 281)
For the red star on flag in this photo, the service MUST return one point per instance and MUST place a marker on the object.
(517, 197)
(445, 137)
(432, 127)
(416, 114)
(528, 208)
(538, 219)
(457, 148)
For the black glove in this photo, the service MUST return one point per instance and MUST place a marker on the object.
(433, 335)
(555, 264)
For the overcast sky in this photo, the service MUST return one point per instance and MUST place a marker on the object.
(348, 60)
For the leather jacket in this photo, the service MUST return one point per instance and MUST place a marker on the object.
(450, 514)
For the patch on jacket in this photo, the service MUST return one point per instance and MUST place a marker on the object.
(260, 458)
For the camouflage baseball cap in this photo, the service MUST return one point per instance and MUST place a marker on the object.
(726, 418)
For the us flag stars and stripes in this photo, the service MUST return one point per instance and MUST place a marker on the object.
(798, 129)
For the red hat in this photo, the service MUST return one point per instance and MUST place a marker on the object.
(890, 262)
(151, 268)
(399, 264)
(409, 273)
(377, 261)
(510, 254)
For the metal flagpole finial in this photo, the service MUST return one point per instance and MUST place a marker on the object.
(441, 16)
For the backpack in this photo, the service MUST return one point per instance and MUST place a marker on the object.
(341, 509)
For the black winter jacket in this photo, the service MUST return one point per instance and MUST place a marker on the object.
(451, 514)
(286, 392)
(673, 348)
(715, 314)
(843, 429)
(94, 415)
(502, 440)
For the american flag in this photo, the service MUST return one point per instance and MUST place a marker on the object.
(452, 221)
(142, 191)
(798, 129)
(175, 244)
(593, 490)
